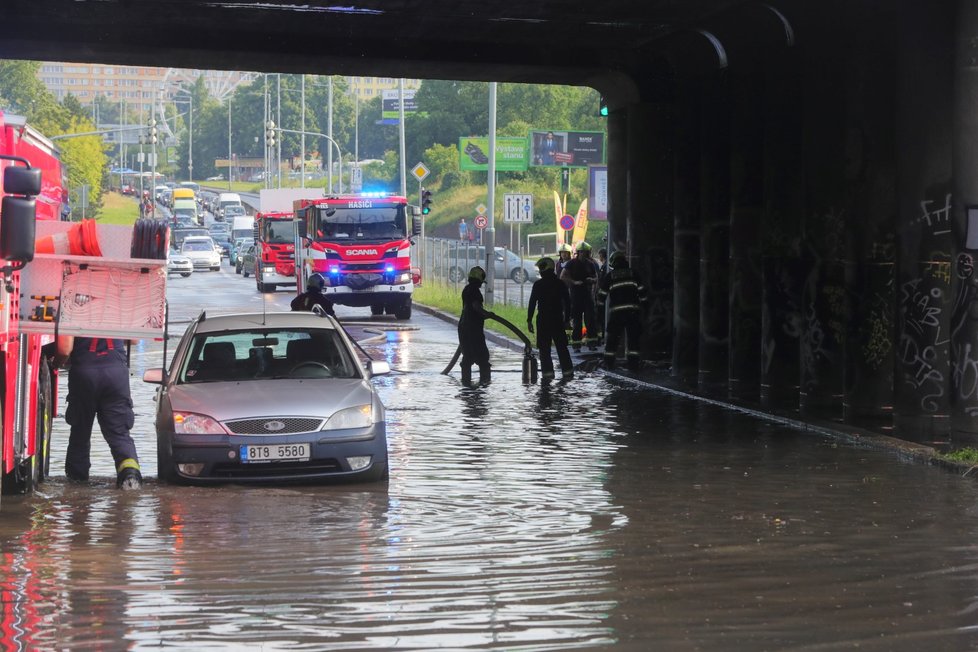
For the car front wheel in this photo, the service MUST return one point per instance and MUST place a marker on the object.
(518, 275)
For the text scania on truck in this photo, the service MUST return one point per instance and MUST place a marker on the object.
(361, 244)
(79, 278)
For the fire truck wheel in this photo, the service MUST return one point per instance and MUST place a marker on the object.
(244, 272)
(404, 310)
(377, 309)
(263, 288)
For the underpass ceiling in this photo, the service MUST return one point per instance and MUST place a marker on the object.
(559, 41)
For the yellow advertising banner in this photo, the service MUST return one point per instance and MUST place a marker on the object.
(580, 225)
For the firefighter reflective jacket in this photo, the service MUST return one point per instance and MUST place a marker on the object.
(621, 291)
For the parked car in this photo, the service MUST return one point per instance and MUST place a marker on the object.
(246, 261)
(462, 258)
(237, 249)
(178, 264)
(268, 397)
(202, 251)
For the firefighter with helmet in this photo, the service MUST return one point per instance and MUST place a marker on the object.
(471, 333)
(553, 299)
(563, 257)
(313, 296)
(625, 300)
(580, 274)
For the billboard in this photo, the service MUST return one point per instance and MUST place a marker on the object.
(575, 149)
(510, 154)
(390, 107)
(597, 191)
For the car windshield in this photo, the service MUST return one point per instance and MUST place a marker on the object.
(267, 353)
(280, 232)
(360, 224)
(234, 210)
(198, 245)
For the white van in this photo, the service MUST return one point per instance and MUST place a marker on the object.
(243, 226)
(226, 199)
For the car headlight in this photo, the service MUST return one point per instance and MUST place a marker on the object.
(360, 416)
(191, 423)
(404, 277)
(268, 269)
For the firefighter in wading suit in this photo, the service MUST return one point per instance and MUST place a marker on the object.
(313, 296)
(98, 386)
(580, 274)
(471, 335)
(553, 299)
(625, 300)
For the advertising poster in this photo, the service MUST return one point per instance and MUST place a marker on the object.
(575, 149)
(390, 106)
(474, 154)
(597, 185)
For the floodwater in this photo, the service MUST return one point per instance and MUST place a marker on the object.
(588, 515)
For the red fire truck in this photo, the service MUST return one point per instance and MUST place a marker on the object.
(66, 290)
(275, 242)
(361, 244)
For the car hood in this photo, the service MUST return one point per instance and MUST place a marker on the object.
(280, 397)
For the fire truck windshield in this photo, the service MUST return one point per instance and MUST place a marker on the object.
(280, 232)
(360, 224)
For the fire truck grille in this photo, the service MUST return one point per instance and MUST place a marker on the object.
(361, 267)
(274, 426)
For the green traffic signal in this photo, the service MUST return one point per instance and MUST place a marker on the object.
(602, 107)
(425, 201)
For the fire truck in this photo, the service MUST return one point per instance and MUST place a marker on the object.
(275, 244)
(57, 277)
(361, 245)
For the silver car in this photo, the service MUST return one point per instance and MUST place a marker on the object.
(178, 264)
(268, 397)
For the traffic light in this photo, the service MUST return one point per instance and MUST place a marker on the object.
(270, 133)
(151, 140)
(425, 201)
(602, 107)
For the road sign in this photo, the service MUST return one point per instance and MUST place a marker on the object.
(356, 178)
(480, 209)
(567, 222)
(420, 171)
(517, 208)
(481, 221)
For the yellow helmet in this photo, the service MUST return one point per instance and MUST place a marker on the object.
(583, 246)
(565, 247)
(477, 274)
(545, 263)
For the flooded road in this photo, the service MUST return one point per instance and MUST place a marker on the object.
(590, 515)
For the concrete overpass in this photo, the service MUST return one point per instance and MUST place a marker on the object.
(794, 178)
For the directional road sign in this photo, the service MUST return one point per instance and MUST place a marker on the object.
(518, 208)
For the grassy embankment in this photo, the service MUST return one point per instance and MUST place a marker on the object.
(116, 209)
(448, 298)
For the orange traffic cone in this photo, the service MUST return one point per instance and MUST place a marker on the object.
(80, 240)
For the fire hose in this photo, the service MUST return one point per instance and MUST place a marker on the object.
(530, 364)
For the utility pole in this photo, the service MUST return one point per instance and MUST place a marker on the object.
(230, 167)
(491, 228)
(400, 103)
(278, 121)
(302, 138)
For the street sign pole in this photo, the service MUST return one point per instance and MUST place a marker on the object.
(491, 231)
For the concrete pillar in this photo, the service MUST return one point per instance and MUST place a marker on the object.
(746, 195)
(869, 165)
(825, 221)
(924, 224)
(650, 223)
(964, 282)
(782, 267)
(617, 180)
(686, 315)
(714, 233)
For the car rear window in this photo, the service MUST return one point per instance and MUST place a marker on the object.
(268, 353)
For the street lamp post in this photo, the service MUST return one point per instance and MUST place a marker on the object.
(229, 143)
(190, 150)
(339, 155)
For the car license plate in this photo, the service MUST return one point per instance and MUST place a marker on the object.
(275, 453)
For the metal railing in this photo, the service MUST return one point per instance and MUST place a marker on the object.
(448, 261)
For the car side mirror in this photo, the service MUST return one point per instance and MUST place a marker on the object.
(300, 228)
(17, 229)
(154, 376)
(378, 368)
(416, 225)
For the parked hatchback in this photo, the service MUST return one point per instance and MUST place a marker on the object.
(508, 265)
(268, 397)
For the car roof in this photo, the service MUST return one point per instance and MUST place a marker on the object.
(251, 320)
